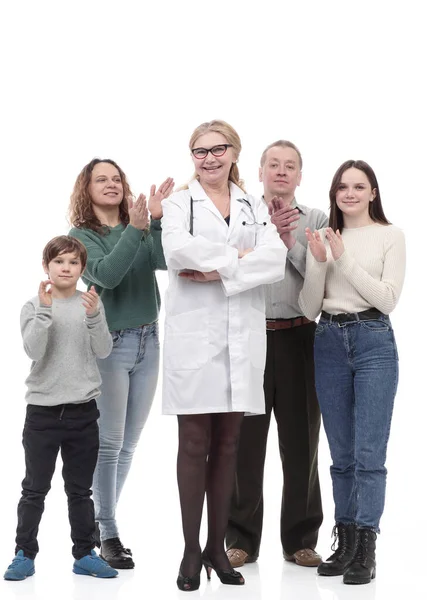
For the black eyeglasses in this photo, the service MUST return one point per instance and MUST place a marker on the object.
(217, 151)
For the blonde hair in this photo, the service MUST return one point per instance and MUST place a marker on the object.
(281, 144)
(232, 138)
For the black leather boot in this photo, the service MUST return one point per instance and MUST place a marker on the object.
(362, 567)
(115, 554)
(341, 558)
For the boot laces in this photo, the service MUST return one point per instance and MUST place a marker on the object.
(340, 543)
(116, 547)
(334, 534)
(362, 547)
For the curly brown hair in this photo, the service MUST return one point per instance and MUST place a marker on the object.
(81, 213)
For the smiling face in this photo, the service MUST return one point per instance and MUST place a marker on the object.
(64, 270)
(280, 173)
(213, 170)
(354, 194)
(105, 187)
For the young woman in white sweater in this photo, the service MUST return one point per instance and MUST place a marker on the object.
(354, 277)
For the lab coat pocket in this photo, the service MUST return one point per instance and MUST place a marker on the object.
(186, 341)
(257, 339)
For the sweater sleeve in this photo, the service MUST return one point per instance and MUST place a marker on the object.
(35, 323)
(313, 290)
(100, 337)
(382, 294)
(108, 270)
(154, 240)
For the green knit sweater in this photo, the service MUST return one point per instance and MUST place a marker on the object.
(121, 266)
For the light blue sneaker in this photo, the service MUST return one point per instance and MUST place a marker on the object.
(20, 568)
(94, 565)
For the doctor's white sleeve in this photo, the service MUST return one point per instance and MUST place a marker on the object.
(266, 264)
(185, 251)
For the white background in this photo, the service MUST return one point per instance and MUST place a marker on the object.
(130, 81)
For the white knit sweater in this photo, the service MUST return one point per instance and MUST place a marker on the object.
(369, 273)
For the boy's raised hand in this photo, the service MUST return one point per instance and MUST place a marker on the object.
(45, 295)
(90, 302)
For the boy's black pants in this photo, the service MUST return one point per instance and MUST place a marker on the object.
(73, 428)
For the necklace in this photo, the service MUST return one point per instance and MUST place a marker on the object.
(226, 211)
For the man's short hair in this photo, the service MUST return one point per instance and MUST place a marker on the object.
(281, 144)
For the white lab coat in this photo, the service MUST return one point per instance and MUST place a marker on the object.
(215, 335)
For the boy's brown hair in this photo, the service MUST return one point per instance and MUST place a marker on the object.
(63, 244)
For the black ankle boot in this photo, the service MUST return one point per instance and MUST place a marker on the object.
(113, 552)
(362, 568)
(341, 558)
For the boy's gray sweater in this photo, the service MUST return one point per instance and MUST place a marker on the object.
(63, 343)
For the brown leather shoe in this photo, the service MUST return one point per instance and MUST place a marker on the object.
(304, 558)
(238, 557)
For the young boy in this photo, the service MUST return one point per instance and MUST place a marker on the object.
(64, 330)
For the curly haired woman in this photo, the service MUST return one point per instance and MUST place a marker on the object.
(124, 250)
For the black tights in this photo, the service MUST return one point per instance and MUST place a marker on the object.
(206, 463)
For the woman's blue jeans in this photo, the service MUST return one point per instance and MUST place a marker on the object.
(356, 366)
(129, 380)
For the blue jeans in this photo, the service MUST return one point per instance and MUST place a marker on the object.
(129, 379)
(356, 367)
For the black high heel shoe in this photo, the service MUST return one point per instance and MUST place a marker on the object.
(230, 577)
(188, 584)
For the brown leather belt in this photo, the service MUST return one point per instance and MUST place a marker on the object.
(275, 324)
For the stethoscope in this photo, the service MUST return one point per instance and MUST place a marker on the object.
(254, 221)
(243, 200)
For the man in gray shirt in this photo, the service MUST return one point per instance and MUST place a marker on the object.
(288, 386)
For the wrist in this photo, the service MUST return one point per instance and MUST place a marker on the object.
(289, 240)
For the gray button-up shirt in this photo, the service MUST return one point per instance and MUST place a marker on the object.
(281, 298)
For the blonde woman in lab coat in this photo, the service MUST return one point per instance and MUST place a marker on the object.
(220, 248)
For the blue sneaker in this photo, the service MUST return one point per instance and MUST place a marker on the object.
(20, 568)
(94, 565)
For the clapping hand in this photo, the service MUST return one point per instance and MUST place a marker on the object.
(90, 302)
(45, 295)
(285, 218)
(138, 213)
(316, 245)
(335, 242)
(156, 197)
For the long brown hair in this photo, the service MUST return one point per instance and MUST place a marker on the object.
(81, 211)
(376, 212)
(232, 138)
